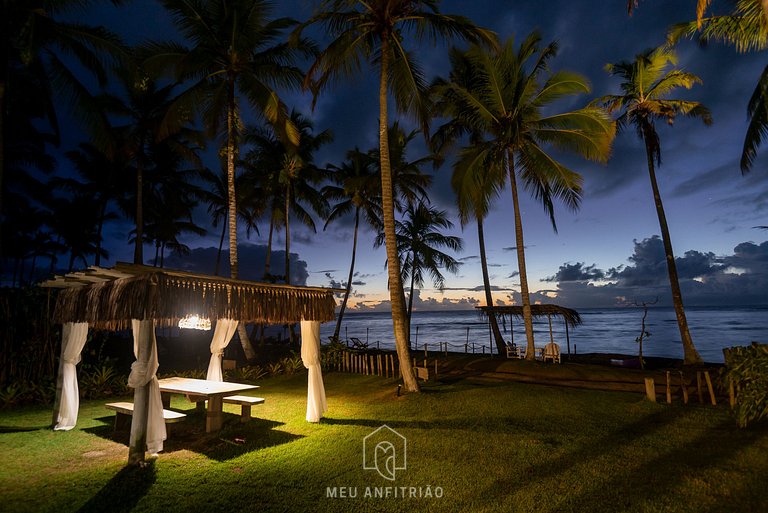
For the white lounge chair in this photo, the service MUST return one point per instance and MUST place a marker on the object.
(552, 352)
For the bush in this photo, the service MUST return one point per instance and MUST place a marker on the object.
(747, 369)
(103, 381)
(249, 374)
(292, 364)
(275, 368)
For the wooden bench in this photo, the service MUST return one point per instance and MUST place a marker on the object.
(245, 401)
(125, 410)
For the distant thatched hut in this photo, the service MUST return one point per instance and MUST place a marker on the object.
(142, 298)
(570, 317)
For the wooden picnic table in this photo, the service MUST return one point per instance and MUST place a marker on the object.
(199, 390)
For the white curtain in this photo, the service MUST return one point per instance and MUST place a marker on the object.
(225, 329)
(144, 372)
(73, 335)
(310, 355)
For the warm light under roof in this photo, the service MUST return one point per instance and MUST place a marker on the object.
(195, 322)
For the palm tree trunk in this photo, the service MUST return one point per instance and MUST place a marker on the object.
(390, 242)
(487, 286)
(138, 250)
(99, 229)
(231, 198)
(690, 354)
(287, 238)
(221, 245)
(268, 256)
(410, 311)
(157, 253)
(349, 279)
(530, 352)
(242, 334)
(291, 331)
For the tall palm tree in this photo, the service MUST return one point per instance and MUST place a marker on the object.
(746, 29)
(505, 102)
(374, 32)
(249, 204)
(235, 52)
(418, 240)
(473, 199)
(647, 82)
(293, 174)
(105, 180)
(146, 107)
(474, 191)
(357, 189)
(34, 40)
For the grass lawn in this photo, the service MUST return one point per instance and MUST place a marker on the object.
(488, 447)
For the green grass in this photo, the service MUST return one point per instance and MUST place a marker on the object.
(489, 447)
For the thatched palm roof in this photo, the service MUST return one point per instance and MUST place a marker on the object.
(570, 316)
(110, 298)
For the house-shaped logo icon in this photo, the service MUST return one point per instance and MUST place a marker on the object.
(384, 450)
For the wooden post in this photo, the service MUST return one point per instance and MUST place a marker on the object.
(669, 390)
(425, 348)
(684, 387)
(698, 386)
(435, 368)
(650, 389)
(710, 388)
(731, 394)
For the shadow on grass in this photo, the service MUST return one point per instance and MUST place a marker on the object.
(234, 439)
(17, 429)
(495, 425)
(124, 491)
(634, 487)
(679, 468)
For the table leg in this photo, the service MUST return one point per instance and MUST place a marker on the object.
(213, 419)
(166, 398)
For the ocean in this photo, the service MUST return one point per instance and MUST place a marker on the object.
(611, 330)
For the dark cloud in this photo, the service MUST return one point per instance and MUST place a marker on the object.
(577, 272)
(514, 248)
(469, 258)
(705, 279)
(251, 260)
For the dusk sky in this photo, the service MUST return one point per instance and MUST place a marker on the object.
(606, 254)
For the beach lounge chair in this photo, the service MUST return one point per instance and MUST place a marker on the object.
(515, 351)
(552, 352)
(358, 344)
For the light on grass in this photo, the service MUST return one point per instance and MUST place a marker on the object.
(195, 322)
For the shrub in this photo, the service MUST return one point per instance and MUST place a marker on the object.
(275, 368)
(747, 369)
(249, 374)
(292, 364)
(103, 381)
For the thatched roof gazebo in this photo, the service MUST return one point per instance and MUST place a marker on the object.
(142, 298)
(570, 317)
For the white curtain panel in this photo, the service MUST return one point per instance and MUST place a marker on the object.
(310, 356)
(73, 335)
(225, 329)
(144, 372)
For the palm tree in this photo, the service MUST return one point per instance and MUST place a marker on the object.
(374, 32)
(249, 204)
(505, 102)
(647, 82)
(292, 173)
(150, 119)
(473, 199)
(745, 28)
(234, 53)
(104, 180)
(418, 240)
(474, 192)
(357, 189)
(36, 43)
